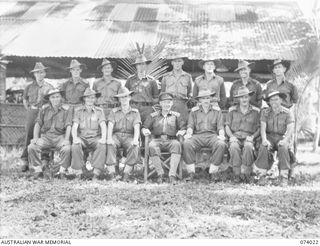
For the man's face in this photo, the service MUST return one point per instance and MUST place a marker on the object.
(275, 102)
(107, 70)
(177, 63)
(125, 101)
(279, 69)
(75, 72)
(55, 99)
(166, 104)
(205, 101)
(244, 72)
(141, 67)
(90, 100)
(39, 75)
(209, 66)
(244, 100)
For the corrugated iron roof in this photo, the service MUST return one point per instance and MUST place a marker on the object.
(108, 29)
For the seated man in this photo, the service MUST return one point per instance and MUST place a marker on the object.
(89, 133)
(242, 127)
(123, 131)
(277, 125)
(165, 125)
(54, 123)
(205, 121)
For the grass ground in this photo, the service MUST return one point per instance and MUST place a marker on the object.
(84, 209)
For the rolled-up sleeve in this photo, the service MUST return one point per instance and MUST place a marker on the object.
(101, 116)
(40, 117)
(191, 120)
(220, 123)
(136, 119)
(68, 121)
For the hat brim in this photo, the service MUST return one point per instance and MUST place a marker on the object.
(46, 97)
(112, 63)
(146, 62)
(177, 57)
(123, 94)
(81, 66)
(250, 94)
(286, 64)
(37, 70)
(217, 63)
(280, 94)
(209, 95)
(250, 65)
(97, 94)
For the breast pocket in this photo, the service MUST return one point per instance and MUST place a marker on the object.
(183, 87)
(282, 126)
(33, 96)
(61, 119)
(172, 123)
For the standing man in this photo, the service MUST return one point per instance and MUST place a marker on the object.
(281, 84)
(123, 131)
(145, 89)
(205, 129)
(108, 87)
(277, 125)
(244, 69)
(210, 81)
(243, 128)
(179, 84)
(75, 86)
(54, 124)
(165, 125)
(89, 133)
(33, 101)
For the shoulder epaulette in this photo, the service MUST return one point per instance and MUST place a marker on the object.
(194, 109)
(284, 109)
(65, 106)
(197, 78)
(232, 108)
(135, 110)
(154, 114)
(44, 106)
(216, 108)
(256, 108)
(114, 110)
(177, 114)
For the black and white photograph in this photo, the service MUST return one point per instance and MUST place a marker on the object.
(159, 119)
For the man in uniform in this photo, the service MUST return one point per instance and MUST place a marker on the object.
(123, 131)
(204, 124)
(89, 133)
(210, 81)
(165, 125)
(179, 84)
(243, 128)
(244, 69)
(108, 87)
(33, 101)
(75, 86)
(54, 123)
(277, 125)
(279, 83)
(145, 88)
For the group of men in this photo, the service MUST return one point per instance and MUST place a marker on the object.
(77, 120)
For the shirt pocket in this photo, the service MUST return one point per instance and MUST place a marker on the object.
(171, 124)
(183, 86)
(282, 126)
(94, 120)
(33, 95)
(61, 119)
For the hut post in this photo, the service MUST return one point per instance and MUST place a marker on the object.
(3, 70)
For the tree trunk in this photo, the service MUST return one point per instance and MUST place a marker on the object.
(317, 134)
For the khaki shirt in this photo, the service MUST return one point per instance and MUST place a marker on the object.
(252, 85)
(160, 125)
(243, 125)
(108, 90)
(216, 84)
(34, 93)
(54, 122)
(89, 121)
(277, 123)
(285, 87)
(145, 90)
(180, 87)
(201, 122)
(124, 122)
(73, 91)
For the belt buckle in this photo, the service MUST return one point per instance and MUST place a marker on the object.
(164, 137)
